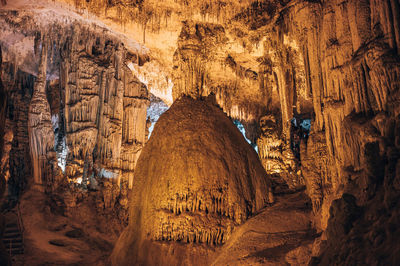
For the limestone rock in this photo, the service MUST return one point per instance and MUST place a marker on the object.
(91, 101)
(4, 257)
(41, 135)
(329, 57)
(276, 155)
(203, 65)
(316, 172)
(335, 62)
(105, 109)
(195, 180)
(17, 124)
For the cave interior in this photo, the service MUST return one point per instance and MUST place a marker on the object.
(203, 132)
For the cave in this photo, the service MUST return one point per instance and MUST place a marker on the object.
(253, 132)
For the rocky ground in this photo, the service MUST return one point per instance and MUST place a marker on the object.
(52, 239)
(278, 235)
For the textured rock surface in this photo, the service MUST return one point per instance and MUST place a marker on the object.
(86, 110)
(316, 170)
(276, 156)
(334, 62)
(196, 179)
(19, 87)
(105, 108)
(279, 235)
(3, 109)
(40, 130)
(204, 64)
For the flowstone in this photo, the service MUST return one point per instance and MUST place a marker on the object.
(195, 180)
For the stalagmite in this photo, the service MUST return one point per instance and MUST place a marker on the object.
(195, 180)
(314, 83)
(41, 136)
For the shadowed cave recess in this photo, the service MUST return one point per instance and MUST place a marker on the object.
(199, 132)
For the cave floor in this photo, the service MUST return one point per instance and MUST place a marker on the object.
(46, 241)
(279, 235)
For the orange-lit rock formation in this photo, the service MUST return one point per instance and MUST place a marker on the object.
(105, 107)
(271, 64)
(41, 135)
(4, 258)
(95, 124)
(196, 179)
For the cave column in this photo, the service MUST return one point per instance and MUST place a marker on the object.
(40, 131)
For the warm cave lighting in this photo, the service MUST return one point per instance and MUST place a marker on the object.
(120, 143)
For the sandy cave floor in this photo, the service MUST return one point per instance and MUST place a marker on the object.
(279, 235)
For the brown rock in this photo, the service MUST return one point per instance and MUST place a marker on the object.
(196, 179)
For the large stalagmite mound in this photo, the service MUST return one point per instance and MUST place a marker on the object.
(195, 180)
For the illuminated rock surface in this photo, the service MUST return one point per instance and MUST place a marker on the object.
(314, 83)
(41, 135)
(195, 180)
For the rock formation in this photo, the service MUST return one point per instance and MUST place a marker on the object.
(276, 156)
(272, 65)
(203, 66)
(3, 105)
(195, 180)
(19, 86)
(87, 115)
(105, 108)
(40, 130)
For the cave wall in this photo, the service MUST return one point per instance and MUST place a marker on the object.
(347, 64)
(105, 108)
(75, 117)
(40, 130)
(334, 62)
(203, 65)
(4, 258)
(2, 124)
(97, 107)
(16, 153)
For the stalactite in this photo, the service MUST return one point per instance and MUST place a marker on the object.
(105, 106)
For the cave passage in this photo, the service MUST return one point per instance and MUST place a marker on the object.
(156, 108)
(242, 130)
(300, 130)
